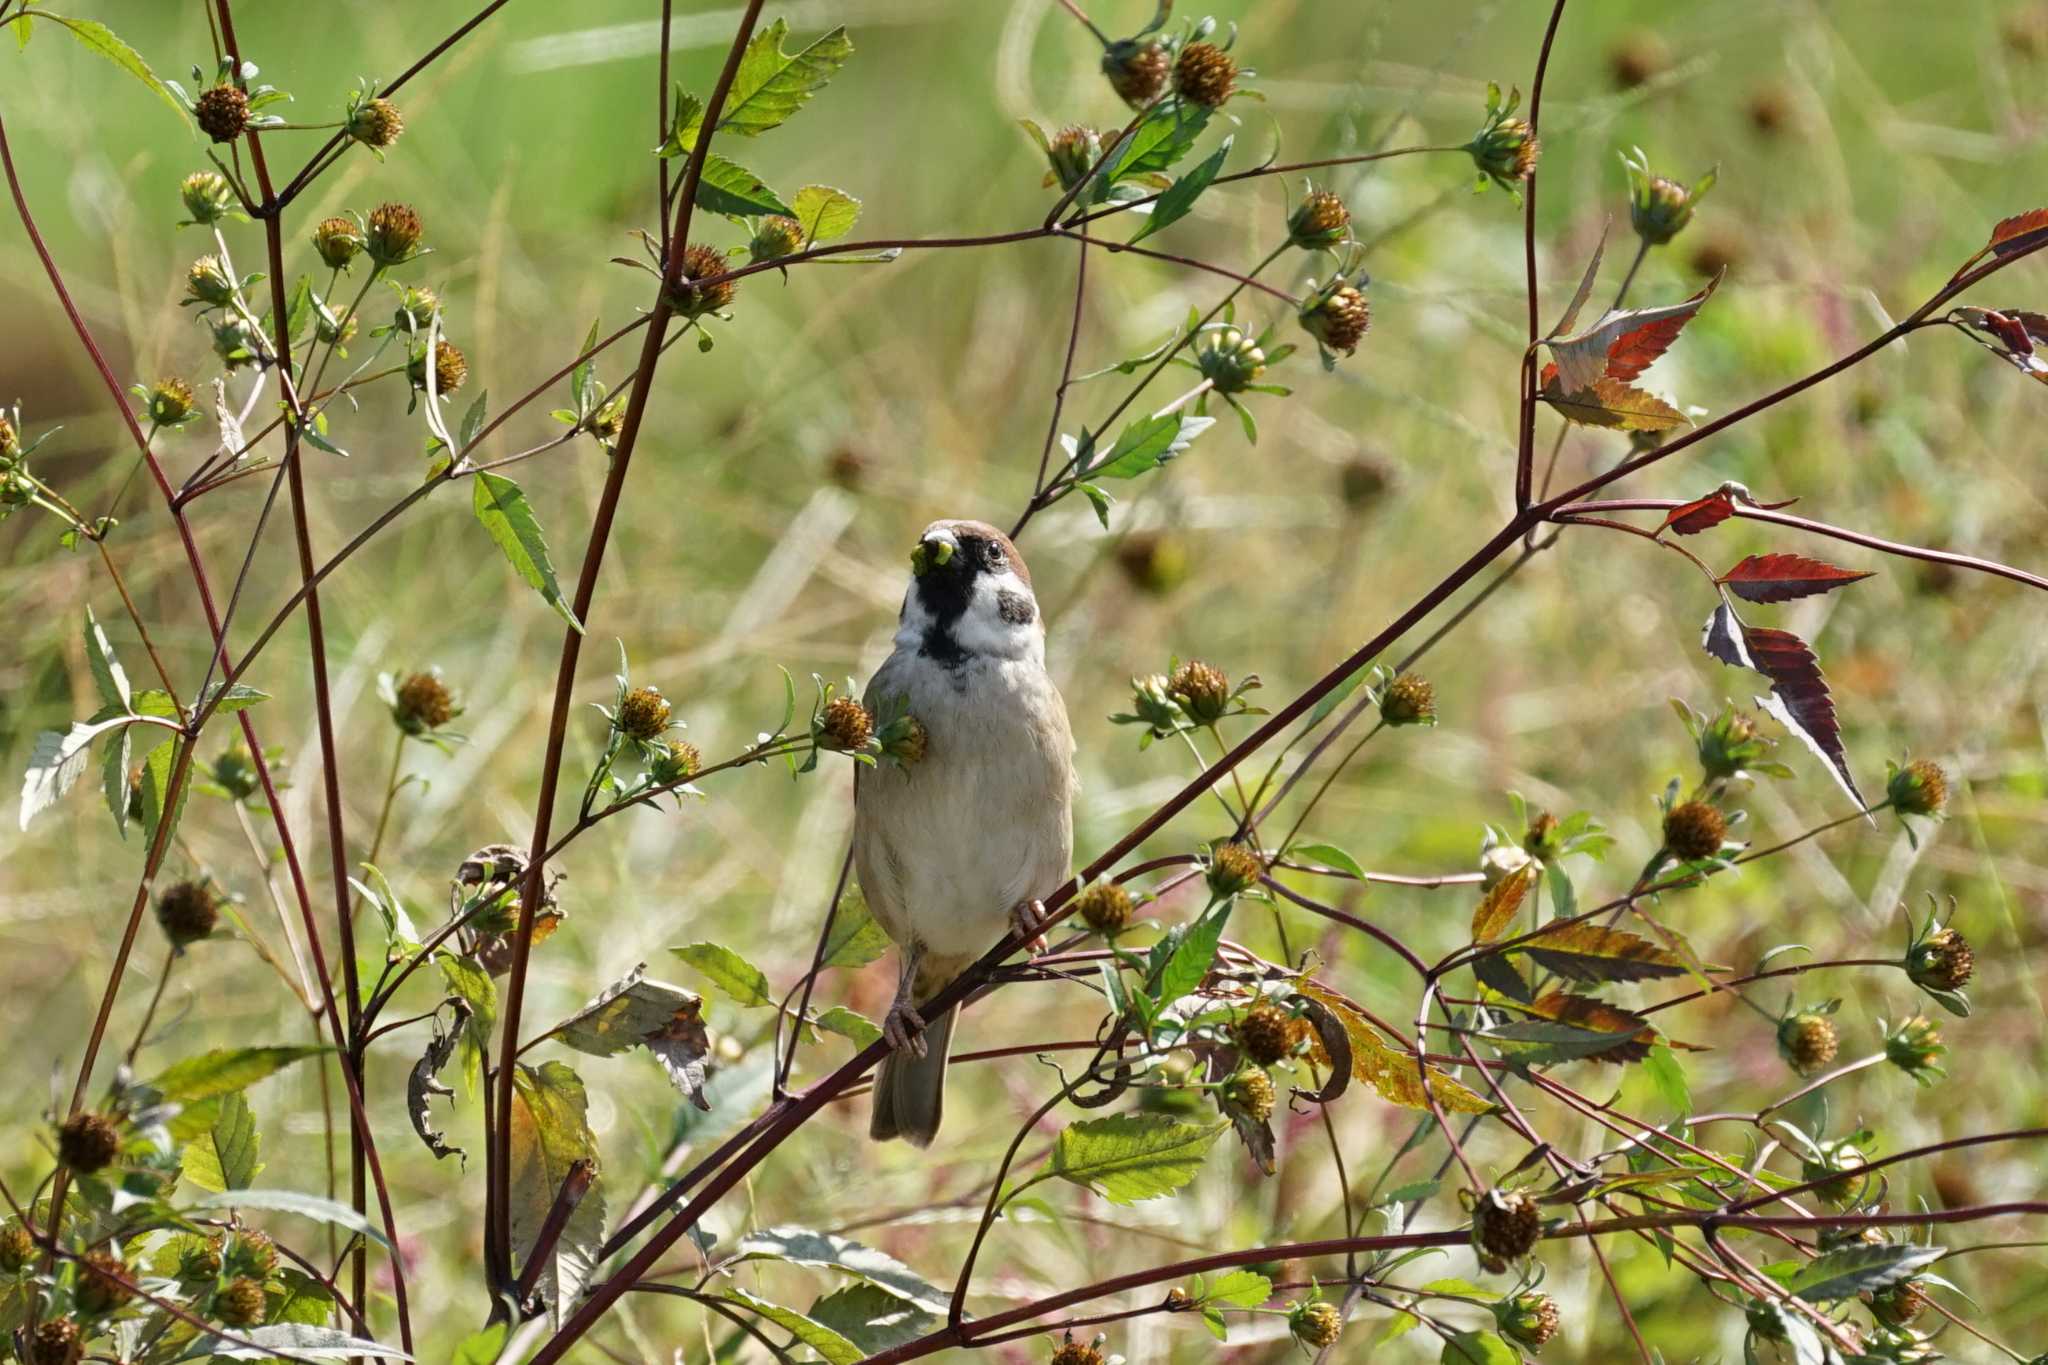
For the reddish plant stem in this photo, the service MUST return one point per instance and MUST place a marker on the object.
(1525, 442)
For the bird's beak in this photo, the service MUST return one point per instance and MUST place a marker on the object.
(929, 553)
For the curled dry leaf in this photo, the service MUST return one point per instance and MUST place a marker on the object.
(1624, 343)
(1615, 405)
(1701, 514)
(633, 1012)
(1388, 1070)
(2013, 335)
(2021, 232)
(425, 1081)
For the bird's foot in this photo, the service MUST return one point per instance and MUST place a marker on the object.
(903, 1029)
(1029, 919)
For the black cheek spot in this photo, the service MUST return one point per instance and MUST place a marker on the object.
(1015, 608)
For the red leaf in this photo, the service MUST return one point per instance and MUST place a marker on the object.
(1624, 343)
(2018, 233)
(2009, 334)
(1635, 351)
(1780, 578)
(1701, 514)
(1800, 699)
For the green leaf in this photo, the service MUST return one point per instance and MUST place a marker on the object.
(550, 1136)
(481, 1348)
(295, 1340)
(1148, 443)
(1130, 1157)
(1165, 136)
(234, 697)
(1479, 1348)
(501, 507)
(633, 1012)
(1240, 1289)
(1179, 197)
(468, 979)
(1663, 1068)
(1190, 958)
(1099, 500)
(101, 39)
(114, 780)
(291, 1201)
(683, 128)
(225, 1158)
(826, 1251)
(825, 213)
(738, 978)
(871, 1317)
(57, 760)
(1857, 1270)
(226, 1069)
(730, 188)
(836, 1349)
(402, 939)
(771, 85)
(849, 1024)
(580, 378)
(1332, 855)
(855, 940)
(107, 674)
(473, 421)
(302, 1299)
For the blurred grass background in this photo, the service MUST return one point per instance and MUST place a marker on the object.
(1864, 150)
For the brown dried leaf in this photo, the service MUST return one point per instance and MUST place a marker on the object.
(1498, 906)
(1624, 343)
(1386, 1069)
(1592, 952)
(2011, 235)
(1614, 405)
(1633, 1035)
(2008, 334)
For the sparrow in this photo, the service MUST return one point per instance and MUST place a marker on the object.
(955, 850)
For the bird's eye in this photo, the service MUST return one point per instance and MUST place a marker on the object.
(992, 553)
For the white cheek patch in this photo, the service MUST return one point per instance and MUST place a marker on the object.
(992, 625)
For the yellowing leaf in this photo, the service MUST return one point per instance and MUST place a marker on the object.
(1129, 1157)
(1497, 908)
(1612, 404)
(1387, 1070)
(1593, 952)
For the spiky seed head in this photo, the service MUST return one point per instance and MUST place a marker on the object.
(10, 441)
(1205, 74)
(643, 713)
(88, 1142)
(1338, 318)
(1943, 961)
(200, 1261)
(417, 305)
(1229, 359)
(845, 725)
(1835, 1166)
(170, 402)
(1659, 209)
(1316, 1325)
(1915, 1047)
(1505, 150)
(1505, 1226)
(208, 282)
(1529, 1320)
(234, 772)
(17, 1247)
(1153, 563)
(451, 367)
(1250, 1092)
(1104, 907)
(422, 703)
(1073, 153)
(1899, 1305)
(1694, 830)
(1919, 788)
(393, 235)
(102, 1284)
(694, 300)
(1265, 1033)
(1319, 220)
(222, 112)
(777, 236)
(338, 239)
(188, 912)
(1807, 1041)
(678, 761)
(1203, 690)
(375, 123)
(1072, 1352)
(1409, 700)
(252, 1253)
(907, 741)
(1233, 868)
(58, 1341)
(240, 1303)
(208, 196)
(1138, 70)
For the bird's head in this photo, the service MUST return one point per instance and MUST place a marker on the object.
(970, 595)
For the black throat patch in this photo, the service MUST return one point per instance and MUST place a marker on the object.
(944, 591)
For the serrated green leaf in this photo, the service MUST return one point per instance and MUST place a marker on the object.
(473, 421)
(825, 213)
(1240, 1289)
(849, 1024)
(1478, 1348)
(1332, 855)
(855, 940)
(824, 1250)
(1099, 500)
(1193, 955)
(871, 1317)
(291, 1201)
(502, 509)
(1853, 1270)
(1167, 134)
(301, 1299)
(1131, 1157)
(226, 1157)
(1668, 1075)
(226, 1069)
(1148, 443)
(732, 974)
(771, 85)
(107, 674)
(730, 188)
(549, 1141)
(1179, 197)
(99, 38)
(836, 1349)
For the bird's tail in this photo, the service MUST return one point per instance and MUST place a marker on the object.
(910, 1091)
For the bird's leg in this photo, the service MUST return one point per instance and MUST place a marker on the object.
(903, 1028)
(1029, 919)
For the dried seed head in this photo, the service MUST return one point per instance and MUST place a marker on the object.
(208, 282)
(1073, 153)
(208, 196)
(1265, 1033)
(88, 1142)
(58, 1341)
(1694, 830)
(338, 240)
(776, 236)
(188, 912)
(1250, 1092)
(643, 713)
(222, 112)
(1233, 868)
(1528, 1319)
(1943, 961)
(1835, 1166)
(1919, 788)
(10, 441)
(1505, 1226)
(170, 402)
(1807, 1041)
(1137, 70)
(1338, 318)
(845, 725)
(907, 741)
(1205, 74)
(422, 703)
(1316, 1325)
(102, 1284)
(1104, 907)
(1409, 700)
(694, 300)
(253, 1254)
(375, 123)
(393, 235)
(1202, 689)
(1229, 359)
(1153, 563)
(1319, 220)
(17, 1247)
(1505, 148)
(1072, 1352)
(451, 367)
(241, 1303)
(1899, 1305)
(679, 761)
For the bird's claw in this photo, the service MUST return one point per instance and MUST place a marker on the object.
(903, 1029)
(1029, 919)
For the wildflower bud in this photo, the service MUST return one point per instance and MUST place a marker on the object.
(1505, 148)
(1315, 1325)
(1265, 1034)
(1137, 70)
(1338, 318)
(1233, 868)
(1913, 1048)
(1228, 359)
(88, 1142)
(1250, 1093)
(1942, 961)
(1104, 907)
(905, 740)
(1072, 1352)
(776, 237)
(209, 283)
(393, 235)
(200, 1260)
(1153, 563)
(1659, 209)
(1807, 1041)
(678, 761)
(1694, 830)
(422, 702)
(1202, 690)
(1919, 788)
(1409, 700)
(1900, 1304)
(241, 1303)
(57, 1341)
(1527, 1319)
(375, 123)
(1072, 153)
(1205, 74)
(222, 112)
(17, 1248)
(10, 442)
(1505, 1226)
(330, 330)
(845, 725)
(188, 912)
(1178, 1300)
(451, 367)
(253, 1254)
(338, 240)
(417, 305)
(1834, 1166)
(102, 1284)
(237, 341)
(1319, 220)
(608, 423)
(643, 713)
(170, 402)
(1540, 839)
(1729, 744)
(694, 300)
(208, 196)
